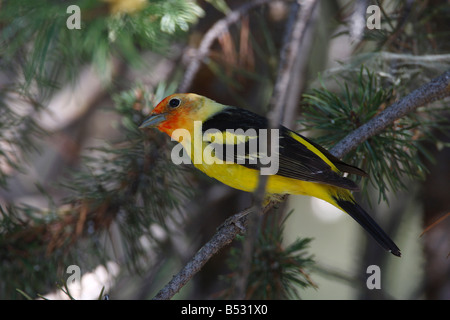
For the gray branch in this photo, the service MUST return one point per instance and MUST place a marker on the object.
(225, 235)
(436, 89)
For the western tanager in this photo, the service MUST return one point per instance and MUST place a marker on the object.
(221, 147)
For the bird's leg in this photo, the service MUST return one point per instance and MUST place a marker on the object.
(271, 200)
(239, 220)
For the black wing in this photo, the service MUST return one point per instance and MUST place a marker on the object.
(295, 159)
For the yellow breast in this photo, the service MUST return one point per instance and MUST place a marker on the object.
(246, 179)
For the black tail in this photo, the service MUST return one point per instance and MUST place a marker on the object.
(363, 218)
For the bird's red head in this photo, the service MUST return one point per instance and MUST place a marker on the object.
(178, 110)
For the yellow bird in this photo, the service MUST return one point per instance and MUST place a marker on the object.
(230, 145)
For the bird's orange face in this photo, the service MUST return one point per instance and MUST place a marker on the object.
(175, 111)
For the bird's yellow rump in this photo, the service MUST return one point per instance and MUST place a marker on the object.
(224, 145)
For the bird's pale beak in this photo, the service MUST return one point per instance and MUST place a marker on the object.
(153, 120)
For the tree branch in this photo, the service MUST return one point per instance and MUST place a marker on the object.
(213, 33)
(225, 235)
(436, 89)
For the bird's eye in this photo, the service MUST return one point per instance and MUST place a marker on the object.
(175, 102)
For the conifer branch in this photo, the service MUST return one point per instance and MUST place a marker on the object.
(436, 89)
